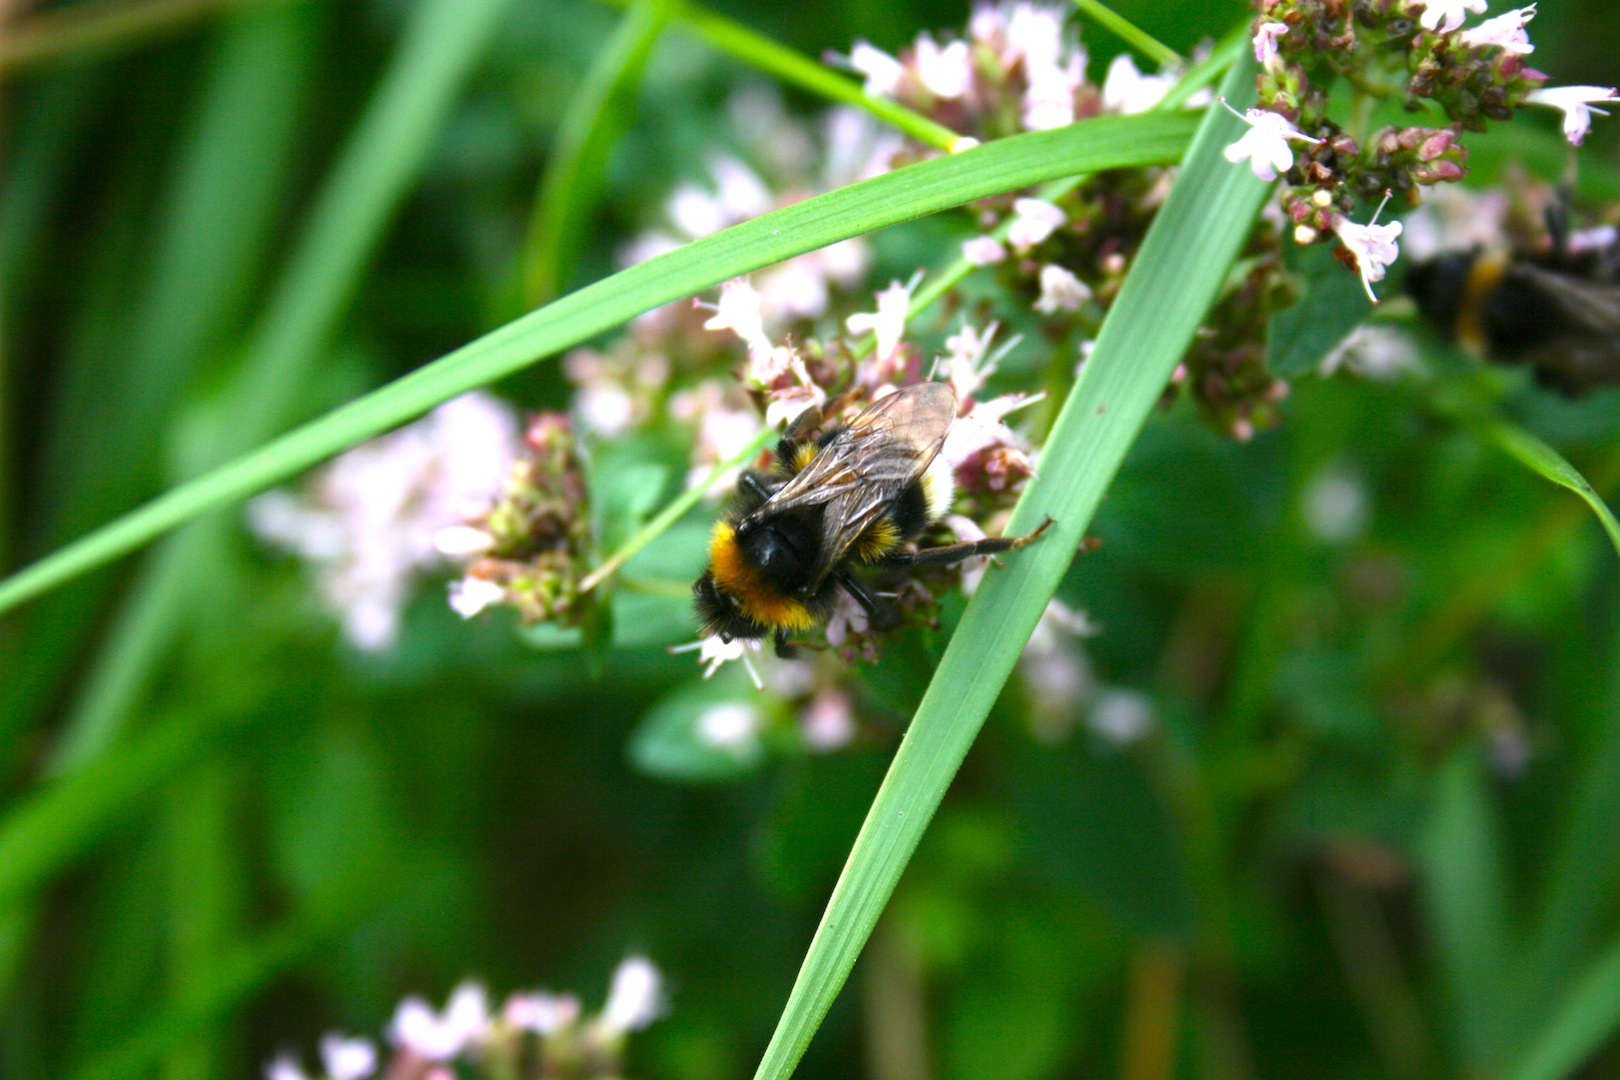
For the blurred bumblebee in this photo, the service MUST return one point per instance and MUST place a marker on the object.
(851, 496)
(1557, 310)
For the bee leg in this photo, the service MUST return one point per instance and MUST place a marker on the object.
(750, 482)
(783, 648)
(880, 616)
(955, 553)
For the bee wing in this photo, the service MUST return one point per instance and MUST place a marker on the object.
(866, 466)
(1584, 350)
(1584, 307)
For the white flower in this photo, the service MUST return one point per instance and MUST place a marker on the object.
(462, 541)
(440, 1037)
(730, 727)
(696, 212)
(636, 998)
(1060, 291)
(540, 1012)
(368, 520)
(967, 362)
(470, 595)
(1577, 102)
(1265, 144)
(946, 72)
(1265, 40)
(888, 322)
(883, 72)
(348, 1059)
(848, 617)
(1035, 34)
(828, 722)
(1379, 352)
(1446, 15)
(985, 428)
(1126, 90)
(1049, 101)
(741, 193)
(1121, 716)
(1506, 31)
(713, 652)
(1373, 245)
(983, 251)
(284, 1067)
(740, 311)
(1335, 504)
(1036, 220)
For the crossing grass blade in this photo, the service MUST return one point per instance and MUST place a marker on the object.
(1183, 263)
(912, 192)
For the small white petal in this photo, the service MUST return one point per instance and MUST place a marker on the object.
(462, 541)
(1577, 103)
(983, 250)
(946, 72)
(883, 72)
(541, 1013)
(348, 1059)
(1060, 291)
(1446, 15)
(1036, 220)
(1506, 31)
(636, 998)
(284, 1067)
(471, 595)
(1265, 40)
(888, 323)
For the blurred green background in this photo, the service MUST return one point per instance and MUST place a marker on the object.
(1372, 832)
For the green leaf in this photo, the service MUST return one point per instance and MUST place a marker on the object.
(925, 188)
(1549, 464)
(1464, 902)
(1333, 305)
(670, 741)
(1187, 253)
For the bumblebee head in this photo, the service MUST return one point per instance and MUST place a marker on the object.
(721, 614)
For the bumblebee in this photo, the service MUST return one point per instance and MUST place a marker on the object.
(1557, 310)
(849, 497)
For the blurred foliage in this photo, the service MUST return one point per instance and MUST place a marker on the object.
(1372, 830)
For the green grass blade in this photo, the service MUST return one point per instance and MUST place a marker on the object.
(794, 69)
(918, 190)
(1177, 275)
(597, 116)
(1465, 907)
(1549, 464)
(1585, 1020)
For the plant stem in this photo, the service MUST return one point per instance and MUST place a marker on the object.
(672, 513)
(796, 69)
(1134, 36)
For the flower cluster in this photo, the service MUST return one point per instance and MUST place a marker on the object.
(367, 521)
(1019, 68)
(535, 1035)
(528, 547)
(1417, 53)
